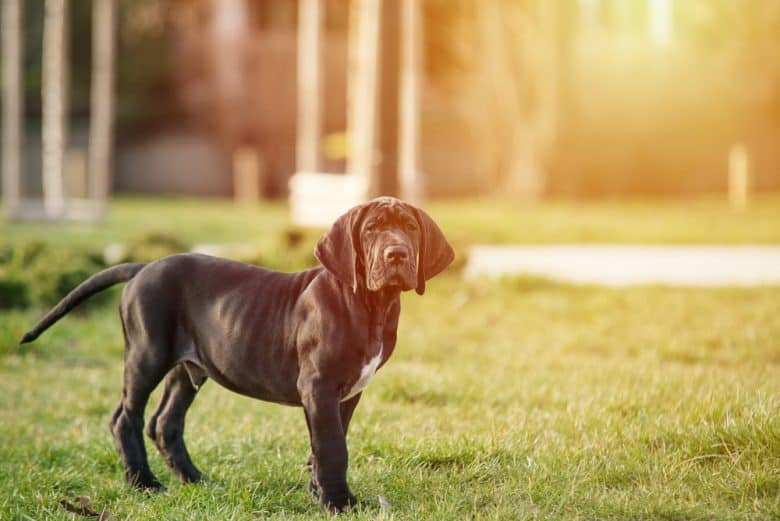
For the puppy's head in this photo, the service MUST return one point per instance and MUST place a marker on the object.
(385, 243)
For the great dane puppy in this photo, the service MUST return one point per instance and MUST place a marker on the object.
(312, 339)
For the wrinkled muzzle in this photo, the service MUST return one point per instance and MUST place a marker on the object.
(391, 264)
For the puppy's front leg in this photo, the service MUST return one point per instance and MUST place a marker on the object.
(329, 447)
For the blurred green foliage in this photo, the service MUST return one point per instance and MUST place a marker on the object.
(58, 272)
(14, 291)
(35, 274)
(153, 245)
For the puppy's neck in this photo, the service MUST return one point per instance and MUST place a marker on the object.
(381, 300)
(379, 303)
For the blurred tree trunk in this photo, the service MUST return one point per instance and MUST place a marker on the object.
(534, 136)
(521, 73)
(55, 105)
(13, 104)
(309, 85)
(387, 179)
(409, 179)
(229, 32)
(102, 102)
(503, 93)
(361, 88)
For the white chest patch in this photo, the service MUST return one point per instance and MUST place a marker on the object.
(366, 373)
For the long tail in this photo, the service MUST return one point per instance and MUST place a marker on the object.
(95, 284)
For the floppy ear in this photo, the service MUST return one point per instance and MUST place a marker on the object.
(337, 249)
(435, 252)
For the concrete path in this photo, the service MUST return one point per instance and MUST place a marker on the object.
(631, 265)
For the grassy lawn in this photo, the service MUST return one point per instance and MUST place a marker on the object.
(685, 221)
(519, 399)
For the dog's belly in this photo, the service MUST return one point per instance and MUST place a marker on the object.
(267, 373)
(366, 373)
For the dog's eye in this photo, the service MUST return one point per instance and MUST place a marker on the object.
(371, 226)
(411, 226)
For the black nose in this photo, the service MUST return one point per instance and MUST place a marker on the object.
(396, 254)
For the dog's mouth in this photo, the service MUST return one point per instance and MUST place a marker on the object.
(395, 280)
(401, 276)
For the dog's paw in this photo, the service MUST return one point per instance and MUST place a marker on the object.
(338, 503)
(145, 482)
(152, 487)
(189, 475)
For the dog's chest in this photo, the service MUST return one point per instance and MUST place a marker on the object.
(366, 373)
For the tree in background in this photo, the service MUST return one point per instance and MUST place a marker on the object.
(507, 63)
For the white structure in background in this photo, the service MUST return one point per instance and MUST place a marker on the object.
(631, 265)
(316, 198)
(56, 203)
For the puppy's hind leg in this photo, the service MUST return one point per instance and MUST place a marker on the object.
(145, 366)
(166, 427)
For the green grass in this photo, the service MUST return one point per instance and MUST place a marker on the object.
(706, 220)
(517, 399)
(703, 220)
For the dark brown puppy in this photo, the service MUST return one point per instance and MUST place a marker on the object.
(312, 338)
